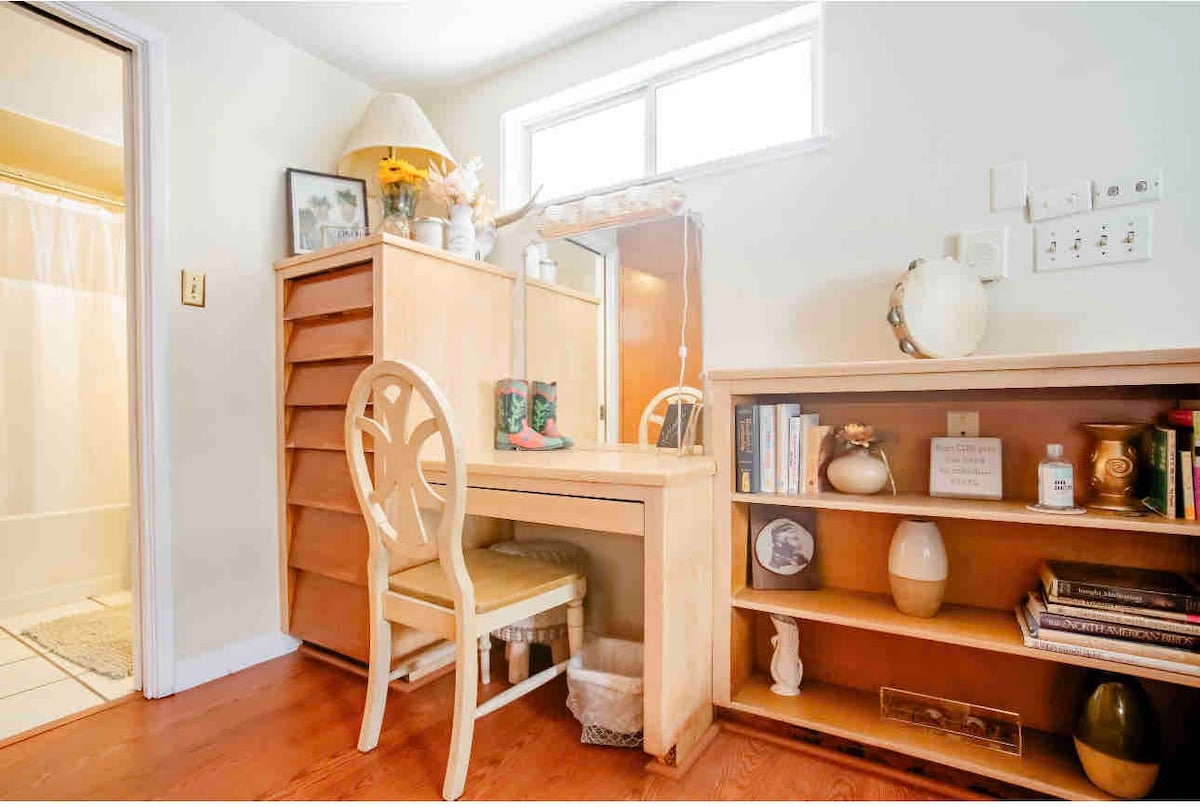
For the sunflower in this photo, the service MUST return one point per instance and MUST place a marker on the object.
(393, 170)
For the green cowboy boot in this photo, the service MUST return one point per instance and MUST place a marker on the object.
(512, 426)
(543, 415)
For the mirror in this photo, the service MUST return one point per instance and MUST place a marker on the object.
(604, 313)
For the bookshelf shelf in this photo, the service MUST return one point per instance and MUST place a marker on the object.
(1047, 764)
(973, 648)
(916, 504)
(962, 625)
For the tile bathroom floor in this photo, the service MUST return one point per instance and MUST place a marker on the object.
(37, 686)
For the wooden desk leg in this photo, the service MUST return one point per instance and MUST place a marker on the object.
(678, 635)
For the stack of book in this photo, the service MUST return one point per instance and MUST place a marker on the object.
(1174, 470)
(1146, 617)
(779, 449)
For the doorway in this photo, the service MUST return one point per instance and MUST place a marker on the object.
(67, 613)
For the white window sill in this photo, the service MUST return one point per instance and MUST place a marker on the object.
(784, 151)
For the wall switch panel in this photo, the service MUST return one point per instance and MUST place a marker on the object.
(1127, 190)
(192, 291)
(1009, 185)
(985, 252)
(1094, 240)
(1065, 200)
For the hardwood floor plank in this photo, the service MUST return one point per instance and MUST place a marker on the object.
(287, 729)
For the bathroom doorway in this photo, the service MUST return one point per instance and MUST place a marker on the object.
(66, 611)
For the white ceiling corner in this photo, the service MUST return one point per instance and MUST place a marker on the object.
(417, 46)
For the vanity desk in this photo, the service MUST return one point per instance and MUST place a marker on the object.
(666, 501)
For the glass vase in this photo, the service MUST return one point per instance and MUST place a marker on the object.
(399, 203)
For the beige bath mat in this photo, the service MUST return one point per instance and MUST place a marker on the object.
(100, 640)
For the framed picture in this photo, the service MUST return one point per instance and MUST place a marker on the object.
(783, 548)
(324, 209)
(965, 467)
(679, 421)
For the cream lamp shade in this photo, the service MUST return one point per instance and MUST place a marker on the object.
(393, 123)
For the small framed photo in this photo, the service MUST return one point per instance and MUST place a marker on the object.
(966, 467)
(324, 209)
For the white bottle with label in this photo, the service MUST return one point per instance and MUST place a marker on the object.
(1056, 481)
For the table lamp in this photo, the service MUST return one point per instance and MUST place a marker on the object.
(393, 125)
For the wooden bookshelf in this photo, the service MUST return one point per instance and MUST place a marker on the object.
(972, 649)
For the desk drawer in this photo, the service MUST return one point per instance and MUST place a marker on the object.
(603, 515)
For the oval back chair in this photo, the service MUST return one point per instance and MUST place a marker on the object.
(460, 596)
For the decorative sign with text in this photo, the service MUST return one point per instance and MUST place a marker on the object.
(967, 467)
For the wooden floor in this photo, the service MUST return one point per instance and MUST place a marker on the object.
(287, 730)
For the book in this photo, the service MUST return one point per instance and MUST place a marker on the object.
(1111, 645)
(1187, 481)
(783, 412)
(1046, 620)
(1162, 497)
(1182, 417)
(1196, 459)
(766, 448)
(814, 439)
(1029, 640)
(808, 420)
(1172, 623)
(795, 452)
(1120, 585)
(745, 442)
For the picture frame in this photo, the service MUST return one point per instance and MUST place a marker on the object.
(324, 210)
(679, 423)
(782, 548)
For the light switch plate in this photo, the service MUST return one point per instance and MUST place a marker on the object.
(1096, 239)
(192, 288)
(984, 252)
(1127, 190)
(1009, 185)
(1064, 200)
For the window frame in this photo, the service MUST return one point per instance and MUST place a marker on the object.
(519, 125)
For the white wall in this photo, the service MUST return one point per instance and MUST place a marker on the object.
(244, 106)
(921, 99)
(79, 88)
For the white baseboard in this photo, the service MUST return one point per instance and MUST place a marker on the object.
(42, 599)
(201, 669)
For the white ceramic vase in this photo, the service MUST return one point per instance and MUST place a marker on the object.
(786, 668)
(918, 568)
(460, 236)
(858, 471)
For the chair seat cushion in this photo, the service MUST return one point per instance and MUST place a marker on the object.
(499, 580)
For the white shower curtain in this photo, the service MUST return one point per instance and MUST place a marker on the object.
(64, 434)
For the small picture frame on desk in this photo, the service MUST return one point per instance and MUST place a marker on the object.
(966, 468)
(680, 420)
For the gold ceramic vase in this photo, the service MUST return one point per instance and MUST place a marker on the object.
(1114, 466)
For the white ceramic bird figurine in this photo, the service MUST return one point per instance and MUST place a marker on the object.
(786, 668)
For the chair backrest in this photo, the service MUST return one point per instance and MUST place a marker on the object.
(679, 395)
(393, 499)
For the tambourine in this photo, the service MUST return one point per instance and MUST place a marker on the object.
(938, 310)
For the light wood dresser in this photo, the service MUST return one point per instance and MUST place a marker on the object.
(338, 310)
(852, 638)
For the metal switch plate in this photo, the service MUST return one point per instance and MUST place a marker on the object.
(1127, 190)
(1065, 200)
(1094, 240)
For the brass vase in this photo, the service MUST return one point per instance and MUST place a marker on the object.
(1114, 465)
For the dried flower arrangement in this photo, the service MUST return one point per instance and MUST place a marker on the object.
(458, 187)
(858, 434)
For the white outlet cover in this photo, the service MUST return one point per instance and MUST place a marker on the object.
(1097, 239)
(1127, 190)
(1009, 185)
(984, 252)
(1064, 200)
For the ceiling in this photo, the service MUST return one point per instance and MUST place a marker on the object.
(416, 46)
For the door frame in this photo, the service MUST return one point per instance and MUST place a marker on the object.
(149, 300)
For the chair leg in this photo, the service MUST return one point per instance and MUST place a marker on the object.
(379, 668)
(465, 696)
(575, 626)
(517, 654)
(485, 658)
(560, 650)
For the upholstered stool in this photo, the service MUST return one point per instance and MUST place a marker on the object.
(549, 627)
